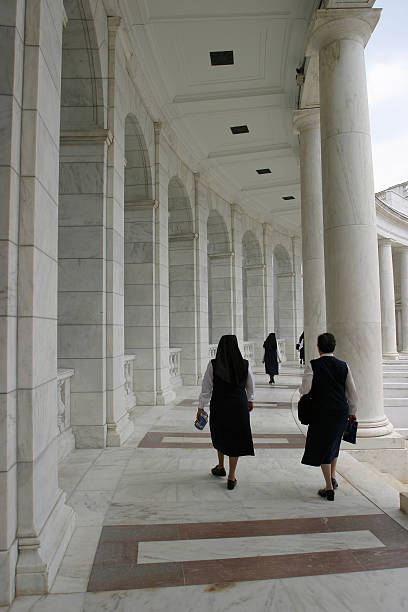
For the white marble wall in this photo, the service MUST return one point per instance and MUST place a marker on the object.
(45, 523)
(11, 57)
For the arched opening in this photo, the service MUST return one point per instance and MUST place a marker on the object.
(252, 289)
(284, 307)
(182, 306)
(219, 278)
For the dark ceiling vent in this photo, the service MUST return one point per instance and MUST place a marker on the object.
(288, 198)
(221, 58)
(264, 171)
(239, 129)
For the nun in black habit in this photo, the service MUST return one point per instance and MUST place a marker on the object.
(228, 384)
(272, 357)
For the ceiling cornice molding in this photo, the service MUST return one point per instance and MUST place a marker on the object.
(253, 16)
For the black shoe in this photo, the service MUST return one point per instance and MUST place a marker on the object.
(335, 483)
(231, 484)
(216, 471)
(328, 494)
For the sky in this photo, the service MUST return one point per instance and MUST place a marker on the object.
(387, 79)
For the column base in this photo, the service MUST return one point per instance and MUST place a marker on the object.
(374, 429)
(120, 431)
(66, 444)
(8, 560)
(40, 556)
(394, 356)
(165, 396)
(404, 502)
(89, 436)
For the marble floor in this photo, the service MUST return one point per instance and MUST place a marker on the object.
(157, 532)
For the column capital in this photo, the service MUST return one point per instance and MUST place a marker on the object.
(383, 241)
(306, 119)
(330, 25)
(114, 23)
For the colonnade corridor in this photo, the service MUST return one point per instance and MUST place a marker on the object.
(156, 531)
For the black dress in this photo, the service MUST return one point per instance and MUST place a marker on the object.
(271, 355)
(329, 400)
(229, 417)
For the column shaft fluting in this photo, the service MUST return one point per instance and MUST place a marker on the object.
(307, 124)
(388, 326)
(350, 233)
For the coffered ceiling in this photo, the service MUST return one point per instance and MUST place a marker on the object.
(201, 102)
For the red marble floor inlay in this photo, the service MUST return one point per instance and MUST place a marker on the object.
(115, 564)
(154, 439)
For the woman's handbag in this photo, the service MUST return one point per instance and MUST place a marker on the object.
(350, 433)
(305, 409)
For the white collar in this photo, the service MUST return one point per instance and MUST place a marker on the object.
(327, 355)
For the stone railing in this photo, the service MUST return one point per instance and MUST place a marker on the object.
(212, 350)
(66, 440)
(175, 367)
(282, 348)
(249, 352)
(130, 397)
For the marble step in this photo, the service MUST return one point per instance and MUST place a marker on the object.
(402, 374)
(396, 402)
(395, 389)
(392, 366)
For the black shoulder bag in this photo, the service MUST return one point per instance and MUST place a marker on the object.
(305, 409)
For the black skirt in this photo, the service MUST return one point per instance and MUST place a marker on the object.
(229, 420)
(271, 362)
(324, 437)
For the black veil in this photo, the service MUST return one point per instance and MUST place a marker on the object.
(229, 363)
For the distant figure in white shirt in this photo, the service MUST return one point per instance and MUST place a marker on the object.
(229, 383)
(334, 400)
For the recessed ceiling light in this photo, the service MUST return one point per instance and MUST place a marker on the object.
(264, 171)
(239, 129)
(221, 58)
(288, 198)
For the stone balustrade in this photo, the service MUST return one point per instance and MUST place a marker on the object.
(212, 350)
(249, 352)
(66, 440)
(282, 349)
(175, 367)
(130, 397)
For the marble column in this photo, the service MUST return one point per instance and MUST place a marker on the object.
(201, 286)
(82, 279)
(388, 326)
(44, 522)
(12, 28)
(338, 36)
(307, 125)
(220, 287)
(269, 323)
(237, 275)
(404, 299)
(119, 426)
